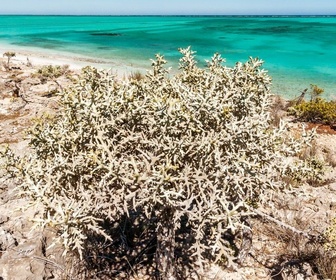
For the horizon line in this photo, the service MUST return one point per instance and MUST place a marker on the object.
(178, 15)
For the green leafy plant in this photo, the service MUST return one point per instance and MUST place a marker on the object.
(196, 149)
(316, 110)
(319, 111)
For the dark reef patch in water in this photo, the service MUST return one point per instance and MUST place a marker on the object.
(112, 34)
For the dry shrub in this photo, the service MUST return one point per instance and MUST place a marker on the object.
(278, 109)
(326, 265)
(308, 259)
(289, 254)
(303, 253)
(326, 260)
(136, 76)
(191, 154)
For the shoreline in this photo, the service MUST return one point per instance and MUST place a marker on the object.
(40, 57)
(296, 52)
(283, 84)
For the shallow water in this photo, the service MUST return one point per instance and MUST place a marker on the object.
(298, 51)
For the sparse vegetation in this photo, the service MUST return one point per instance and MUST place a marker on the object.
(50, 72)
(330, 235)
(187, 158)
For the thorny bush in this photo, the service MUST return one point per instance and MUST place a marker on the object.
(198, 146)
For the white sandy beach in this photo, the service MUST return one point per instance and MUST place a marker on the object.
(76, 62)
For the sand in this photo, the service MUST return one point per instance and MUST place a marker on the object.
(39, 58)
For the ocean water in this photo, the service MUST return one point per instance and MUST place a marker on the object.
(298, 51)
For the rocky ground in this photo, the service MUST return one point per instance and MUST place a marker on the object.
(23, 250)
(279, 251)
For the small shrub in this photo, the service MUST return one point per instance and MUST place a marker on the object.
(136, 76)
(326, 265)
(193, 151)
(50, 72)
(9, 56)
(330, 235)
(317, 110)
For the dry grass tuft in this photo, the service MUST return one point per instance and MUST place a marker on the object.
(136, 76)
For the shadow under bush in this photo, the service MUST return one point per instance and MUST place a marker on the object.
(132, 252)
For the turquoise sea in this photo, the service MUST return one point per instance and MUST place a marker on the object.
(298, 51)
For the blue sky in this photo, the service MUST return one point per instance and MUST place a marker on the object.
(175, 7)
